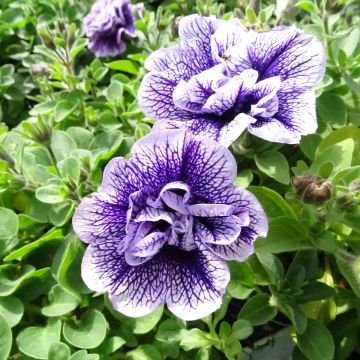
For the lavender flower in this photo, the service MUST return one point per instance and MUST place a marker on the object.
(163, 225)
(224, 78)
(105, 25)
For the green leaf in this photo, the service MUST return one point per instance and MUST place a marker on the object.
(203, 354)
(242, 280)
(59, 351)
(125, 66)
(61, 302)
(351, 274)
(6, 339)
(64, 109)
(337, 136)
(88, 332)
(225, 330)
(12, 277)
(111, 344)
(316, 342)
(294, 313)
(61, 213)
(79, 45)
(241, 329)
(36, 341)
(258, 310)
(339, 156)
(194, 338)
(67, 266)
(70, 169)
(315, 291)
(244, 178)
(144, 352)
(50, 194)
(274, 204)
(331, 109)
(61, 144)
(52, 235)
(11, 309)
(114, 91)
(231, 347)
(83, 355)
(169, 331)
(272, 266)
(285, 234)
(9, 223)
(81, 136)
(43, 108)
(275, 165)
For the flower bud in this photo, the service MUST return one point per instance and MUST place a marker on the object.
(46, 38)
(312, 189)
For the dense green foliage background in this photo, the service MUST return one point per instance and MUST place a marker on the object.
(64, 114)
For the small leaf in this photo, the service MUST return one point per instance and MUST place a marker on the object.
(50, 194)
(331, 109)
(9, 223)
(88, 332)
(241, 329)
(194, 338)
(60, 302)
(257, 310)
(59, 351)
(12, 309)
(5, 339)
(316, 342)
(285, 234)
(125, 66)
(61, 144)
(36, 341)
(275, 165)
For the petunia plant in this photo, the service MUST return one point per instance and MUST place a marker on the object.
(179, 180)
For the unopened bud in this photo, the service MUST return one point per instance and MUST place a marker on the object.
(46, 38)
(312, 189)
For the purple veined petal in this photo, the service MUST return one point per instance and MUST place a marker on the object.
(182, 234)
(217, 230)
(196, 31)
(176, 155)
(211, 210)
(192, 283)
(289, 53)
(226, 96)
(226, 36)
(243, 246)
(230, 132)
(153, 215)
(155, 97)
(265, 93)
(197, 284)
(169, 194)
(193, 94)
(97, 220)
(119, 181)
(295, 117)
(145, 248)
(133, 290)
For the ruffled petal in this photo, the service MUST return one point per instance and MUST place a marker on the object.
(192, 283)
(296, 117)
(98, 221)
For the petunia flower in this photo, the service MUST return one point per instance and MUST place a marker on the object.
(107, 24)
(163, 225)
(223, 79)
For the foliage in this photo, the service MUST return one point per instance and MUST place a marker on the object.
(64, 114)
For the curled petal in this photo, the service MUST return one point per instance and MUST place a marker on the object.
(295, 117)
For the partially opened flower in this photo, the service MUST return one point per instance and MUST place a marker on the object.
(107, 24)
(223, 79)
(163, 225)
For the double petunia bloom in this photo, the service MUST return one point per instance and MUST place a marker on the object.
(223, 79)
(164, 223)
